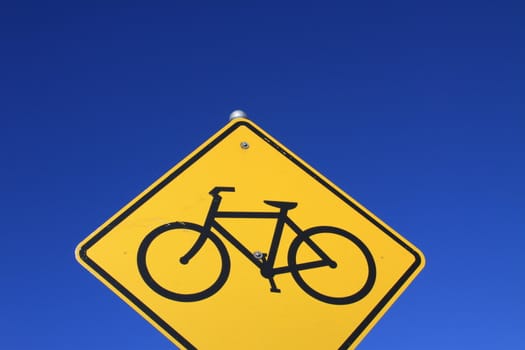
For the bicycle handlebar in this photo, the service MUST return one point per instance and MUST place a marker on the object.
(215, 191)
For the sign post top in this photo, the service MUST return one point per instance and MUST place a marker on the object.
(238, 114)
(244, 244)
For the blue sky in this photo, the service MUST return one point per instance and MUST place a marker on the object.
(414, 108)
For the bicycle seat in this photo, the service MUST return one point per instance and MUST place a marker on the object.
(282, 205)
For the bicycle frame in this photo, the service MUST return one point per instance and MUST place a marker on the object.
(265, 262)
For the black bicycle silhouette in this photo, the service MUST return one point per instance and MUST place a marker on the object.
(264, 261)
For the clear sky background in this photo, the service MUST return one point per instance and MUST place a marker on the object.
(414, 108)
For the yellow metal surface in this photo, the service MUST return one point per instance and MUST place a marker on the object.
(374, 264)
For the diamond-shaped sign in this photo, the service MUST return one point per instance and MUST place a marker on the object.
(244, 245)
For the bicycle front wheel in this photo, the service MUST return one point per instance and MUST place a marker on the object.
(162, 269)
(332, 265)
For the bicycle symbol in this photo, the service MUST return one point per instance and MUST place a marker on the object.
(265, 262)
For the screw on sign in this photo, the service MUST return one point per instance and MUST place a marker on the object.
(243, 226)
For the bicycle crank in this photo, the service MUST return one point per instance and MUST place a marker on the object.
(266, 271)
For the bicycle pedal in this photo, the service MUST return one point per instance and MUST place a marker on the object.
(275, 290)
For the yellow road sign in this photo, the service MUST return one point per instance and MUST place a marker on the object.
(243, 245)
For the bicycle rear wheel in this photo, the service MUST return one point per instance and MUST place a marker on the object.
(159, 262)
(332, 265)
